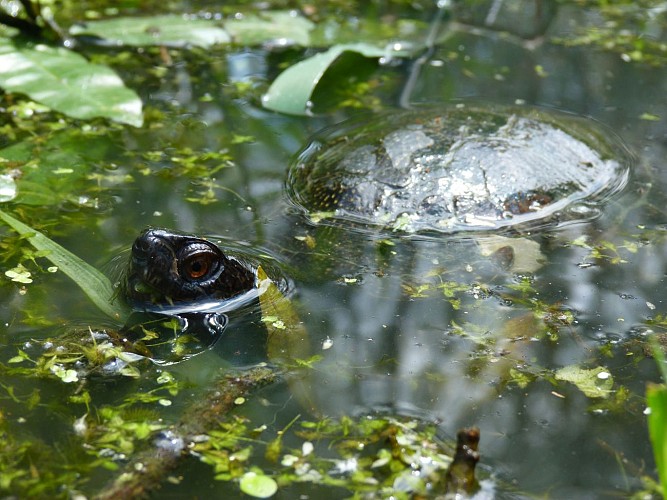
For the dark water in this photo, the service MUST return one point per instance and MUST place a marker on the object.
(441, 357)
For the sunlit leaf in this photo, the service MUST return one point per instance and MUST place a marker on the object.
(258, 485)
(287, 337)
(66, 82)
(93, 283)
(169, 30)
(594, 383)
(291, 91)
(286, 27)
(19, 274)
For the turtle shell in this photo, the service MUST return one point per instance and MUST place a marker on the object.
(458, 168)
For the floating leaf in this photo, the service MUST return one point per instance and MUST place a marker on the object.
(258, 485)
(526, 255)
(290, 93)
(66, 82)
(594, 383)
(93, 283)
(19, 274)
(169, 30)
(285, 26)
(67, 376)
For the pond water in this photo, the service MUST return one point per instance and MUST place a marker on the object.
(429, 327)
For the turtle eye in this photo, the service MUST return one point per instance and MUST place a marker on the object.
(197, 266)
(198, 263)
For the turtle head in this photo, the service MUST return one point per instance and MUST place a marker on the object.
(166, 268)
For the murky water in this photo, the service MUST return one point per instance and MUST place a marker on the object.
(429, 327)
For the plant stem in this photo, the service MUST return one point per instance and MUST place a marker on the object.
(147, 471)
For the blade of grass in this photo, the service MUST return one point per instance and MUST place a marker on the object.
(656, 398)
(94, 284)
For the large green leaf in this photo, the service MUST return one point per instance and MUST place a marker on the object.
(66, 82)
(94, 284)
(170, 30)
(181, 31)
(291, 92)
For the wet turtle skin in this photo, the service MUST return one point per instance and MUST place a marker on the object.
(458, 168)
(168, 268)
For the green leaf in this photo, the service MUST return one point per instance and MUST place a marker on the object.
(19, 274)
(268, 26)
(93, 283)
(258, 485)
(594, 383)
(291, 91)
(656, 397)
(66, 82)
(168, 30)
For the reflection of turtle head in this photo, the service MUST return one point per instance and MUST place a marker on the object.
(167, 268)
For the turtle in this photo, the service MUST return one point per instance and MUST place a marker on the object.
(168, 269)
(184, 291)
(462, 167)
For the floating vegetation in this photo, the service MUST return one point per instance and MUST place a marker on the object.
(632, 29)
(374, 454)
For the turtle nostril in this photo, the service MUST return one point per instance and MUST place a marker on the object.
(140, 248)
(144, 245)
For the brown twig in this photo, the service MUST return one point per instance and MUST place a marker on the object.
(147, 471)
(461, 473)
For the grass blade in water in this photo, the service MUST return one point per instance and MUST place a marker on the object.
(656, 397)
(93, 283)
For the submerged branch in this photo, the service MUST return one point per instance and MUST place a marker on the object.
(147, 471)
